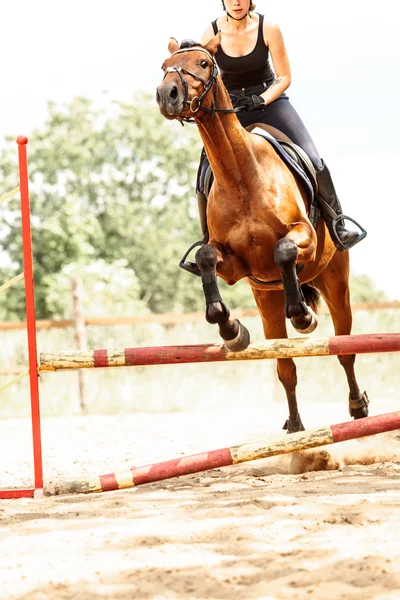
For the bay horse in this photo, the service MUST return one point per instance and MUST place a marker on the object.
(258, 224)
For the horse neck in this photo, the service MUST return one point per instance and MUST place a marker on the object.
(228, 146)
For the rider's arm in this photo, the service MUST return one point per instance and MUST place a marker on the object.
(274, 40)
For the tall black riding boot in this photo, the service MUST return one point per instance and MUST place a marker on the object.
(332, 211)
(190, 265)
(202, 206)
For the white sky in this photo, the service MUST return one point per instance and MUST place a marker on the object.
(345, 57)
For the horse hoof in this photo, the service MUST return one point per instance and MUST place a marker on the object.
(308, 327)
(240, 342)
(359, 408)
(294, 425)
(359, 413)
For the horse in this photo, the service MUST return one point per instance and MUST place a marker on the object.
(258, 225)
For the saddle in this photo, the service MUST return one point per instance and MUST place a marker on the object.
(294, 158)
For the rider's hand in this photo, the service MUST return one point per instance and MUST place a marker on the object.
(252, 103)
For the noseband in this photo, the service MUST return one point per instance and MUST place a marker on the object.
(196, 103)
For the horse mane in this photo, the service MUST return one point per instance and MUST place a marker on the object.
(188, 43)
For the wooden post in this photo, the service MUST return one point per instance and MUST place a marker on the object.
(80, 336)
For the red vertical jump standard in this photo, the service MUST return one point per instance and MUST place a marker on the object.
(37, 491)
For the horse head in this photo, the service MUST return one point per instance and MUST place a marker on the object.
(189, 77)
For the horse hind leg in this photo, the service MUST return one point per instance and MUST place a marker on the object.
(236, 337)
(287, 375)
(333, 284)
(270, 305)
(302, 316)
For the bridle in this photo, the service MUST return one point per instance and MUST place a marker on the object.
(196, 103)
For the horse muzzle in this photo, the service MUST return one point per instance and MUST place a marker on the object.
(170, 100)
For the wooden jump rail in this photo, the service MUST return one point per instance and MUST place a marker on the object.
(163, 355)
(229, 456)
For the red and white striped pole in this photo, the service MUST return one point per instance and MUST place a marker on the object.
(229, 456)
(267, 349)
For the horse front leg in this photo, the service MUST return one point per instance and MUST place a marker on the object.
(295, 248)
(234, 334)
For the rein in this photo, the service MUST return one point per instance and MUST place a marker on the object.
(196, 103)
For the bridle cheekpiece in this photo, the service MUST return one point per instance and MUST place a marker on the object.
(195, 104)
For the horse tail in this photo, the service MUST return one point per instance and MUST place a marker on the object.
(311, 296)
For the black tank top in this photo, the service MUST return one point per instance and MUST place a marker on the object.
(248, 70)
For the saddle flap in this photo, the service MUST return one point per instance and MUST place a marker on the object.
(300, 166)
(287, 151)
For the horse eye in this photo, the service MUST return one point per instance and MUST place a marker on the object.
(204, 64)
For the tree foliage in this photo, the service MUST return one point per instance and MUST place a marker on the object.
(363, 289)
(110, 185)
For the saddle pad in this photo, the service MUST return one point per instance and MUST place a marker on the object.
(298, 173)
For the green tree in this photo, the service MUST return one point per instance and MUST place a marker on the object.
(107, 183)
(108, 289)
(363, 289)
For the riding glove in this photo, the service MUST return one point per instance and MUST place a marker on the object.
(251, 103)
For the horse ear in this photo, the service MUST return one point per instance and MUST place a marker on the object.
(173, 45)
(213, 44)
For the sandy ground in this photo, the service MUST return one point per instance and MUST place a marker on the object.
(258, 530)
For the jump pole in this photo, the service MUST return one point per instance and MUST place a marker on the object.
(165, 355)
(229, 456)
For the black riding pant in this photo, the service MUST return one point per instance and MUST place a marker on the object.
(279, 114)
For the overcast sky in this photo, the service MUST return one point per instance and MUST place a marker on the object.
(345, 58)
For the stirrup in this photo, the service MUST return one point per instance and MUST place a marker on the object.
(338, 241)
(190, 266)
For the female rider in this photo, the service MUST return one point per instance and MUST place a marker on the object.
(247, 40)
